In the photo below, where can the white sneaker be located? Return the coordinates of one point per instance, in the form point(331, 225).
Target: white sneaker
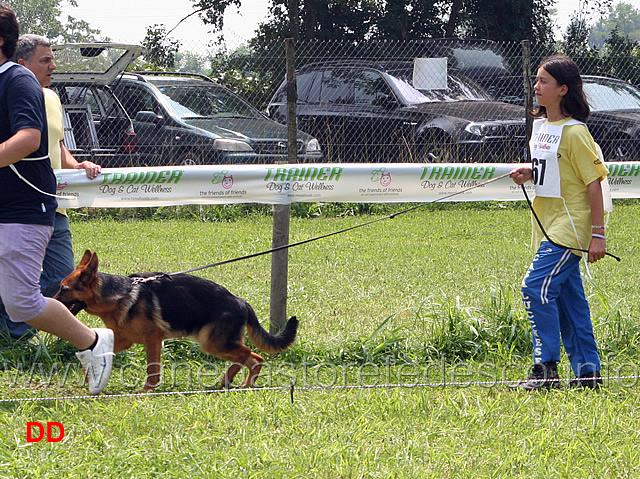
point(97, 362)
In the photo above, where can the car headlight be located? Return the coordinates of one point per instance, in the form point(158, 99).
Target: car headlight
point(482, 129)
point(225, 144)
point(313, 146)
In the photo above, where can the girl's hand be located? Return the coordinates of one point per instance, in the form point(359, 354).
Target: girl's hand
point(521, 174)
point(597, 249)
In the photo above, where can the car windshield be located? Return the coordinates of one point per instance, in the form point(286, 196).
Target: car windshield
point(478, 58)
point(608, 95)
point(190, 101)
point(456, 90)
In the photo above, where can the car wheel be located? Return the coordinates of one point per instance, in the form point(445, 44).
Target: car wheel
point(621, 148)
point(438, 147)
point(191, 157)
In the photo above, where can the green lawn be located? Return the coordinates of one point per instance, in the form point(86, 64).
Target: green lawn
point(431, 296)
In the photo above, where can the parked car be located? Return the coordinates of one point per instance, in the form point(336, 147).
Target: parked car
point(370, 111)
point(189, 119)
point(615, 117)
point(97, 127)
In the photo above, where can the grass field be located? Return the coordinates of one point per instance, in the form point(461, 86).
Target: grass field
point(431, 296)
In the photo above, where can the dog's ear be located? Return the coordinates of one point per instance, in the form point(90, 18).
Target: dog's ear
point(85, 258)
point(90, 270)
point(92, 265)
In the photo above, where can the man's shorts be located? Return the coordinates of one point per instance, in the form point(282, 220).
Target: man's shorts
point(22, 249)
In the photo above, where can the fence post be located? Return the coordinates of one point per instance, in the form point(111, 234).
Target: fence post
point(281, 213)
point(528, 100)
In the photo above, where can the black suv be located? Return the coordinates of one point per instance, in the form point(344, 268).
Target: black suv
point(189, 119)
point(370, 111)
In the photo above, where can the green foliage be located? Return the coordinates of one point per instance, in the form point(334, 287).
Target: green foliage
point(363, 20)
point(619, 56)
point(41, 17)
point(160, 49)
point(247, 75)
point(212, 11)
point(623, 17)
point(411, 20)
point(507, 20)
point(576, 45)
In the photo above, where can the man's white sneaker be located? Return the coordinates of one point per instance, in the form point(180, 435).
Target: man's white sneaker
point(97, 362)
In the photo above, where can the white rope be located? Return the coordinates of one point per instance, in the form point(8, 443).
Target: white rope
point(15, 170)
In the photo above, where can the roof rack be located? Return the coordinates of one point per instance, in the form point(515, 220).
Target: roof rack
point(200, 76)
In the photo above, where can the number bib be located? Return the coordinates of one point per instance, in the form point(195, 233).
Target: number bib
point(545, 140)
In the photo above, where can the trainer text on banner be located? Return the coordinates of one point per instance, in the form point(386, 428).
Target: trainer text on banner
point(282, 184)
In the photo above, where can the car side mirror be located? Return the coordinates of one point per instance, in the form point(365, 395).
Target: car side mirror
point(148, 117)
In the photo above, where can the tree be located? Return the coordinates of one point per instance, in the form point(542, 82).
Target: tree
point(621, 57)
point(623, 18)
point(42, 18)
point(576, 45)
point(160, 49)
point(507, 20)
point(411, 19)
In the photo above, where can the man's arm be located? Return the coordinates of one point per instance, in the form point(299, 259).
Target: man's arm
point(70, 163)
point(19, 146)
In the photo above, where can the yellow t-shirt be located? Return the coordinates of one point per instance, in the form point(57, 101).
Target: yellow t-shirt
point(567, 220)
point(55, 129)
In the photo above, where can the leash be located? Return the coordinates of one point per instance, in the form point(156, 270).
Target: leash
point(524, 190)
point(309, 240)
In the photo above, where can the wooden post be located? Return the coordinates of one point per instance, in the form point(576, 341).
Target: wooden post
point(281, 213)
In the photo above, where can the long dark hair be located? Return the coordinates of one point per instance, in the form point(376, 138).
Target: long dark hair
point(566, 72)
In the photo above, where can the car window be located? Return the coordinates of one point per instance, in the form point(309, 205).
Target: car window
point(314, 81)
point(304, 83)
point(108, 101)
point(470, 58)
point(82, 95)
point(137, 99)
point(189, 101)
point(369, 87)
point(612, 96)
point(337, 86)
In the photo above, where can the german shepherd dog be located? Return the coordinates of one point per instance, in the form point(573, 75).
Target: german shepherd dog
point(151, 307)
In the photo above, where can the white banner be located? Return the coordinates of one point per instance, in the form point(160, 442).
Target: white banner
point(328, 182)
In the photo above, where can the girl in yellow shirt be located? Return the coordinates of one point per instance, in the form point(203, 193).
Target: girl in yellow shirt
point(567, 174)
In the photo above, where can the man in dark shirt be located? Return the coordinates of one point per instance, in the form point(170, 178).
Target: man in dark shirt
point(27, 212)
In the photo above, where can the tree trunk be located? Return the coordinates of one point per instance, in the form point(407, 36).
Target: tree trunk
point(456, 6)
point(294, 19)
point(310, 15)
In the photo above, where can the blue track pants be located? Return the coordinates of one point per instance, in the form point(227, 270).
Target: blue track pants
point(556, 306)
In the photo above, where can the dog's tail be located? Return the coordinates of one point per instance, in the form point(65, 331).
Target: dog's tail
point(267, 342)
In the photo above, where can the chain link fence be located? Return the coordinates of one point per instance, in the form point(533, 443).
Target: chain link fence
point(441, 100)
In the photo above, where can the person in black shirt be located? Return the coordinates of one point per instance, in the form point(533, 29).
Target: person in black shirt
point(27, 212)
